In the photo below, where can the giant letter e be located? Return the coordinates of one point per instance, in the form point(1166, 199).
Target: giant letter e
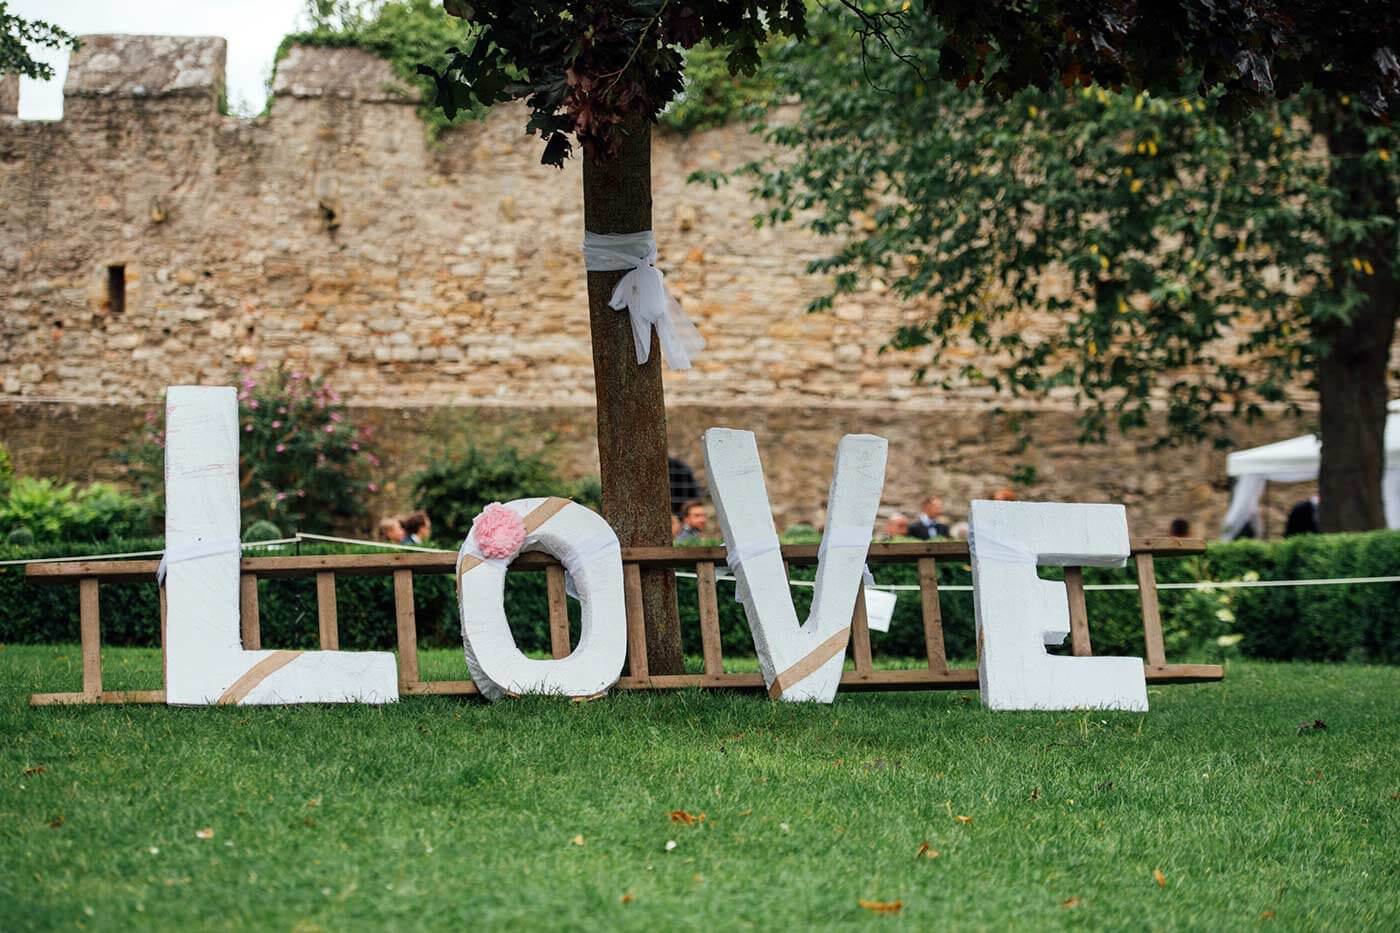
point(1018, 613)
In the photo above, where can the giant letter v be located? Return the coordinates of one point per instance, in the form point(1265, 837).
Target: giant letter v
point(799, 661)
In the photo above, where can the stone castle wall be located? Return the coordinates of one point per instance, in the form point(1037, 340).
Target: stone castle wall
point(433, 280)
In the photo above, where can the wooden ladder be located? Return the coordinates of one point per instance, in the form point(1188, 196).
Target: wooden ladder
point(703, 561)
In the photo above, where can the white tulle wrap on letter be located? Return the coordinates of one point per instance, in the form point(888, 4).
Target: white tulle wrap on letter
point(643, 293)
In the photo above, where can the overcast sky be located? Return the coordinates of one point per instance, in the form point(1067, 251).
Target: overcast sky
point(252, 27)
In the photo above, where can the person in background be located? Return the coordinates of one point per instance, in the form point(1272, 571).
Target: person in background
point(391, 530)
point(897, 526)
point(692, 522)
point(684, 488)
point(1004, 494)
point(930, 523)
point(675, 526)
point(1302, 519)
point(1180, 528)
point(417, 528)
point(958, 532)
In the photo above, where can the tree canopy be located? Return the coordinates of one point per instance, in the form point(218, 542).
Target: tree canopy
point(1242, 52)
point(589, 69)
point(18, 34)
point(1123, 250)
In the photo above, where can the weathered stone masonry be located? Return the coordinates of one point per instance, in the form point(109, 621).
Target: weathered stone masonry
point(147, 240)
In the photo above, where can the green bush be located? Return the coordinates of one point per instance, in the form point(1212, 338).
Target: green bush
point(1335, 623)
point(405, 33)
point(7, 470)
point(713, 96)
point(456, 486)
point(52, 511)
point(262, 531)
point(303, 463)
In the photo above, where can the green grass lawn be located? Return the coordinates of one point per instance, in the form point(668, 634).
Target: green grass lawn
point(537, 813)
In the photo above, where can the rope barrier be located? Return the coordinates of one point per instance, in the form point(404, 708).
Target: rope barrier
point(124, 555)
point(1206, 585)
point(384, 544)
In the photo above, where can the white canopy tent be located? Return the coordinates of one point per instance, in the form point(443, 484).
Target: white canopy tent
point(1295, 461)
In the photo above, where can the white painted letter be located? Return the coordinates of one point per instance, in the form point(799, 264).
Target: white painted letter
point(204, 656)
point(799, 662)
point(1018, 613)
point(588, 548)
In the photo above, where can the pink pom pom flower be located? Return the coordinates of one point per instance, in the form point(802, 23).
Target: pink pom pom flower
point(500, 533)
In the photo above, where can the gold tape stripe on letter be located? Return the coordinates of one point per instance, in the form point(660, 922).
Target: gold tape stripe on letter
point(533, 520)
point(256, 674)
point(818, 656)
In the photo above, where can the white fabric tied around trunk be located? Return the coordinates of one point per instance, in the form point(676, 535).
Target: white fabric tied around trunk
point(643, 293)
point(176, 555)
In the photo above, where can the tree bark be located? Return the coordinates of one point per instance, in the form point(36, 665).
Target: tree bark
point(631, 401)
point(1352, 369)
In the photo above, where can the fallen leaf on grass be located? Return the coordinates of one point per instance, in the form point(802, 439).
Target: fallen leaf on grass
point(313, 802)
point(881, 907)
point(1158, 877)
point(670, 844)
point(1267, 915)
point(965, 820)
point(689, 819)
point(577, 840)
point(1070, 903)
point(1317, 725)
point(36, 769)
point(627, 898)
point(1035, 793)
point(56, 821)
point(205, 833)
point(927, 851)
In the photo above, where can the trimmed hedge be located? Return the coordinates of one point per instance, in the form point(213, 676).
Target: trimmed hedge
point(1332, 623)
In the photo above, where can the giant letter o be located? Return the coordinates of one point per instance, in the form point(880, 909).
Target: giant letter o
point(588, 548)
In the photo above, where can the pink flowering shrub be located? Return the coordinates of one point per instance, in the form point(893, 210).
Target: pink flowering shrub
point(305, 465)
point(499, 531)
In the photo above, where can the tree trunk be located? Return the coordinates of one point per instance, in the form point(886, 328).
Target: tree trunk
point(631, 401)
point(1351, 372)
point(1351, 388)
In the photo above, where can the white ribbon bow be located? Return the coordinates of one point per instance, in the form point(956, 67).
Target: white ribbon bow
point(643, 293)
